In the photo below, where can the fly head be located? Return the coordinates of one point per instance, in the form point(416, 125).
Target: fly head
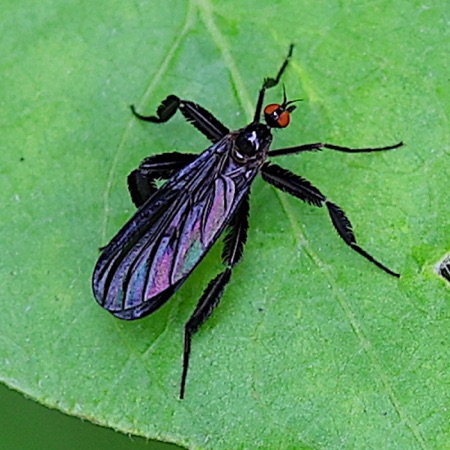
point(278, 115)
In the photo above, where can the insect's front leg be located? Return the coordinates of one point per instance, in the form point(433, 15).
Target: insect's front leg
point(270, 83)
point(299, 187)
point(202, 119)
point(234, 243)
point(142, 181)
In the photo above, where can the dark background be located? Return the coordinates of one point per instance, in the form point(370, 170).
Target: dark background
point(27, 425)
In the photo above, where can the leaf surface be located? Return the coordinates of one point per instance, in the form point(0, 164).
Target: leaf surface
point(312, 346)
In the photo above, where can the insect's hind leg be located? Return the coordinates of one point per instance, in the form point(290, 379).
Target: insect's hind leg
point(142, 181)
point(235, 240)
point(299, 187)
point(201, 118)
point(270, 83)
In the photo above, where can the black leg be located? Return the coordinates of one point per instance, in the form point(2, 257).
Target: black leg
point(236, 235)
point(299, 187)
point(234, 244)
point(142, 181)
point(202, 119)
point(205, 307)
point(269, 83)
point(319, 146)
point(345, 230)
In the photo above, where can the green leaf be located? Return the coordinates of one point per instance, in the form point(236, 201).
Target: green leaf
point(312, 346)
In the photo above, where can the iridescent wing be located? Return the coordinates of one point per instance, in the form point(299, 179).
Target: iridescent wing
point(168, 236)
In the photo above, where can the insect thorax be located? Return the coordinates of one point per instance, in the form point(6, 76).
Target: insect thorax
point(252, 143)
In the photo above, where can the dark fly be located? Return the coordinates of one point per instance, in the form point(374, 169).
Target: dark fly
point(205, 195)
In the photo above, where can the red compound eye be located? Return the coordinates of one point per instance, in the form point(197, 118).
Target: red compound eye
point(284, 119)
point(277, 116)
point(270, 109)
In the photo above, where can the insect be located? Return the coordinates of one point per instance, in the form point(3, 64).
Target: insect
point(204, 195)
